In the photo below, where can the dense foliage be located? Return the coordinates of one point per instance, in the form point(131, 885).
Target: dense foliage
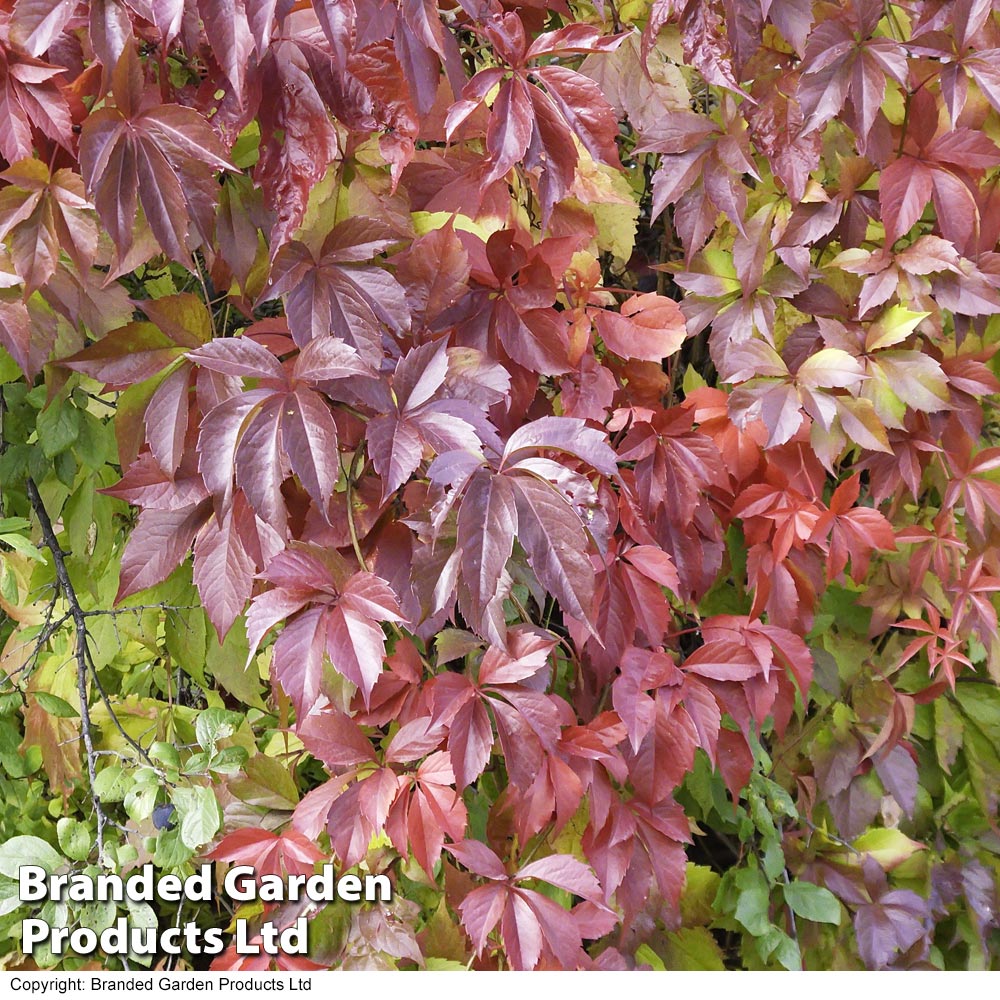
point(543, 452)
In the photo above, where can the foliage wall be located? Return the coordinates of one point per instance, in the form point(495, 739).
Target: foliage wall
point(546, 453)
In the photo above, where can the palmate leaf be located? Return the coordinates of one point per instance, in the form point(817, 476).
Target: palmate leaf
point(30, 99)
point(529, 499)
point(524, 717)
point(36, 24)
point(41, 214)
point(229, 34)
point(530, 923)
point(342, 619)
point(341, 291)
point(256, 437)
point(538, 125)
point(140, 152)
point(224, 570)
point(422, 418)
point(555, 541)
point(486, 529)
point(268, 853)
point(15, 334)
point(425, 811)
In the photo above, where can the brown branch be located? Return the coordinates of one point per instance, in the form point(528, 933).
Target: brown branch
point(82, 666)
point(615, 20)
point(792, 926)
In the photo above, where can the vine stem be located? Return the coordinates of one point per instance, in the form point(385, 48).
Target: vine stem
point(79, 618)
point(352, 528)
point(615, 20)
point(792, 925)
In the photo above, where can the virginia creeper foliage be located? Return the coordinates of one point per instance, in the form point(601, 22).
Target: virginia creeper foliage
point(546, 453)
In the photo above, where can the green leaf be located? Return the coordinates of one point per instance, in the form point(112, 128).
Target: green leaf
point(948, 732)
point(693, 949)
point(98, 916)
point(140, 801)
point(981, 703)
point(227, 663)
point(228, 761)
point(75, 839)
point(199, 814)
point(812, 902)
point(10, 898)
point(185, 634)
point(165, 753)
point(9, 372)
point(21, 544)
point(55, 706)
point(700, 887)
point(268, 784)
point(246, 149)
point(889, 847)
point(58, 427)
point(778, 945)
point(8, 584)
point(444, 965)
point(753, 901)
point(645, 955)
point(893, 327)
point(26, 850)
point(111, 784)
point(215, 724)
point(773, 861)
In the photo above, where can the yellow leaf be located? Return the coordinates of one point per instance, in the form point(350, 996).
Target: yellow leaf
point(889, 847)
point(443, 938)
point(427, 222)
point(892, 327)
point(692, 380)
point(607, 196)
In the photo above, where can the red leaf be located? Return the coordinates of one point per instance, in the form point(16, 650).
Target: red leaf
point(339, 291)
point(36, 24)
point(415, 739)
point(567, 873)
point(298, 140)
point(470, 741)
point(157, 153)
point(722, 660)
point(487, 521)
point(309, 438)
point(510, 128)
point(268, 853)
point(585, 109)
point(335, 739)
point(905, 188)
point(158, 544)
point(649, 327)
point(223, 570)
point(228, 33)
point(556, 544)
point(481, 911)
point(478, 858)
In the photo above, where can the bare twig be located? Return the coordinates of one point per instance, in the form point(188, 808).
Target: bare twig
point(792, 926)
point(615, 20)
point(82, 665)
